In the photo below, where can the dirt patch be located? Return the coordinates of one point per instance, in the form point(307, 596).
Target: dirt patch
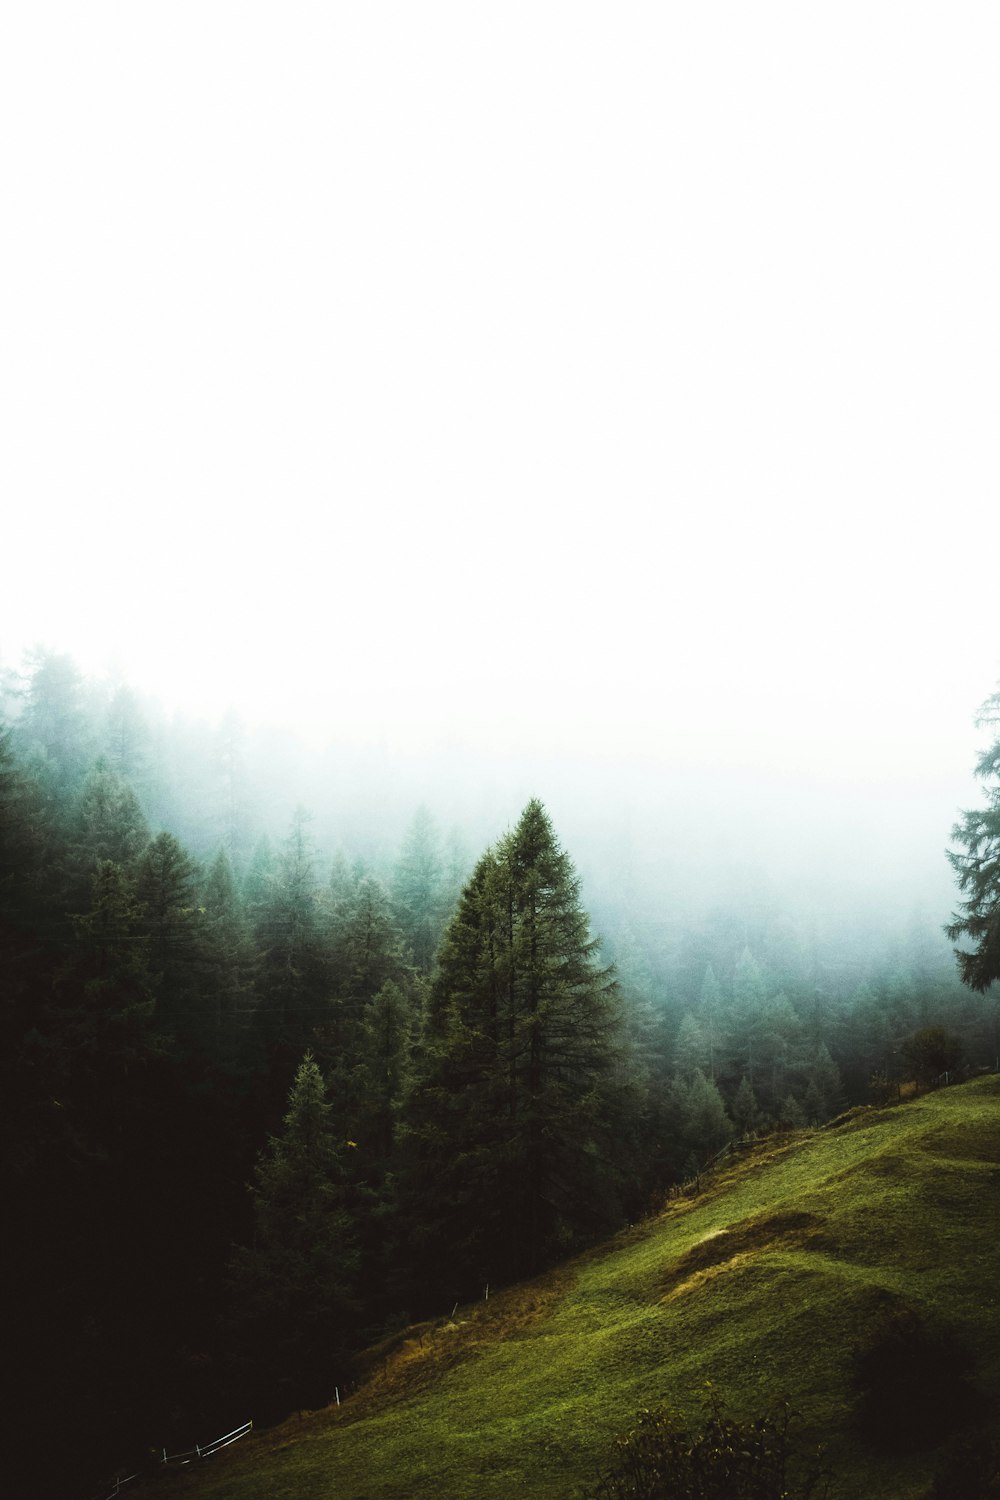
point(724, 1246)
point(861, 1117)
point(415, 1357)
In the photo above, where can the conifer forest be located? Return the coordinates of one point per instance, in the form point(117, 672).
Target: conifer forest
point(267, 1099)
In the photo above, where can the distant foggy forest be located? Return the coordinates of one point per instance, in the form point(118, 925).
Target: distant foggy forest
point(292, 1056)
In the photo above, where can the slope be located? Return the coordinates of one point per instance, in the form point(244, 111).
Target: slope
point(761, 1284)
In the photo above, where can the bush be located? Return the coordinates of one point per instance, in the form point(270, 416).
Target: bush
point(913, 1382)
point(930, 1052)
point(723, 1458)
point(970, 1471)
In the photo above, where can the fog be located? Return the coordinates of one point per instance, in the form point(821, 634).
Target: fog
point(560, 401)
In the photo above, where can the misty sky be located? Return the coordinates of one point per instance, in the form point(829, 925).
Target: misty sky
point(613, 382)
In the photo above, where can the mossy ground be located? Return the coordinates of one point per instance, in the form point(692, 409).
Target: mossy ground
point(761, 1285)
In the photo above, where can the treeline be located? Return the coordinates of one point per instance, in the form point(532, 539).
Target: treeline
point(432, 1078)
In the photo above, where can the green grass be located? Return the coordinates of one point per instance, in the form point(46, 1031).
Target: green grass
point(761, 1285)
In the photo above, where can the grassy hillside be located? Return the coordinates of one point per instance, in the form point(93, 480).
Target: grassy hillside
point(762, 1284)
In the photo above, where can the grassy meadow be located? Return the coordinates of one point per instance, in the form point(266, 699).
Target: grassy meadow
point(761, 1284)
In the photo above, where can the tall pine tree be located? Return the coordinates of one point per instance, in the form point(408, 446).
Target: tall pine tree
point(294, 1287)
point(514, 1115)
point(978, 868)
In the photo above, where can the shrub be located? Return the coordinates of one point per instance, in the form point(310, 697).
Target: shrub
point(930, 1052)
point(722, 1458)
point(970, 1470)
point(913, 1382)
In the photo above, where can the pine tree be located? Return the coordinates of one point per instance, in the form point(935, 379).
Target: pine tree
point(792, 1115)
point(710, 1016)
point(418, 889)
point(293, 981)
point(110, 973)
point(53, 726)
point(294, 1289)
point(340, 888)
point(110, 821)
point(813, 1104)
point(707, 1127)
point(749, 1007)
point(232, 801)
point(778, 1048)
point(369, 951)
point(20, 829)
point(691, 1048)
point(514, 1108)
point(827, 1098)
point(978, 868)
point(229, 964)
point(126, 738)
point(171, 925)
point(746, 1111)
point(387, 1038)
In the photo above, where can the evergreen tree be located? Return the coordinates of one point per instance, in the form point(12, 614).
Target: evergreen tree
point(869, 1042)
point(779, 1047)
point(108, 979)
point(54, 727)
point(294, 1289)
point(930, 1052)
point(792, 1115)
point(709, 1014)
point(369, 951)
point(294, 979)
point(813, 1104)
point(340, 889)
point(978, 868)
point(171, 925)
point(229, 964)
point(388, 1035)
point(748, 1005)
point(746, 1111)
point(126, 738)
point(232, 802)
point(110, 821)
point(418, 889)
point(20, 829)
point(707, 1126)
point(258, 883)
point(691, 1048)
point(644, 1016)
point(826, 1098)
point(514, 1106)
point(457, 865)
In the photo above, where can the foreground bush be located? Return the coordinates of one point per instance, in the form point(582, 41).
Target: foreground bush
point(970, 1470)
point(720, 1458)
point(914, 1383)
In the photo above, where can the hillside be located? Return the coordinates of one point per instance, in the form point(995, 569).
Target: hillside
point(761, 1284)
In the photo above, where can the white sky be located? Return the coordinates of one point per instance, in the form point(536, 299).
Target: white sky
point(613, 377)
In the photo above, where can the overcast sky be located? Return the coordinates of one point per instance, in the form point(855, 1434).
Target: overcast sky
point(604, 380)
